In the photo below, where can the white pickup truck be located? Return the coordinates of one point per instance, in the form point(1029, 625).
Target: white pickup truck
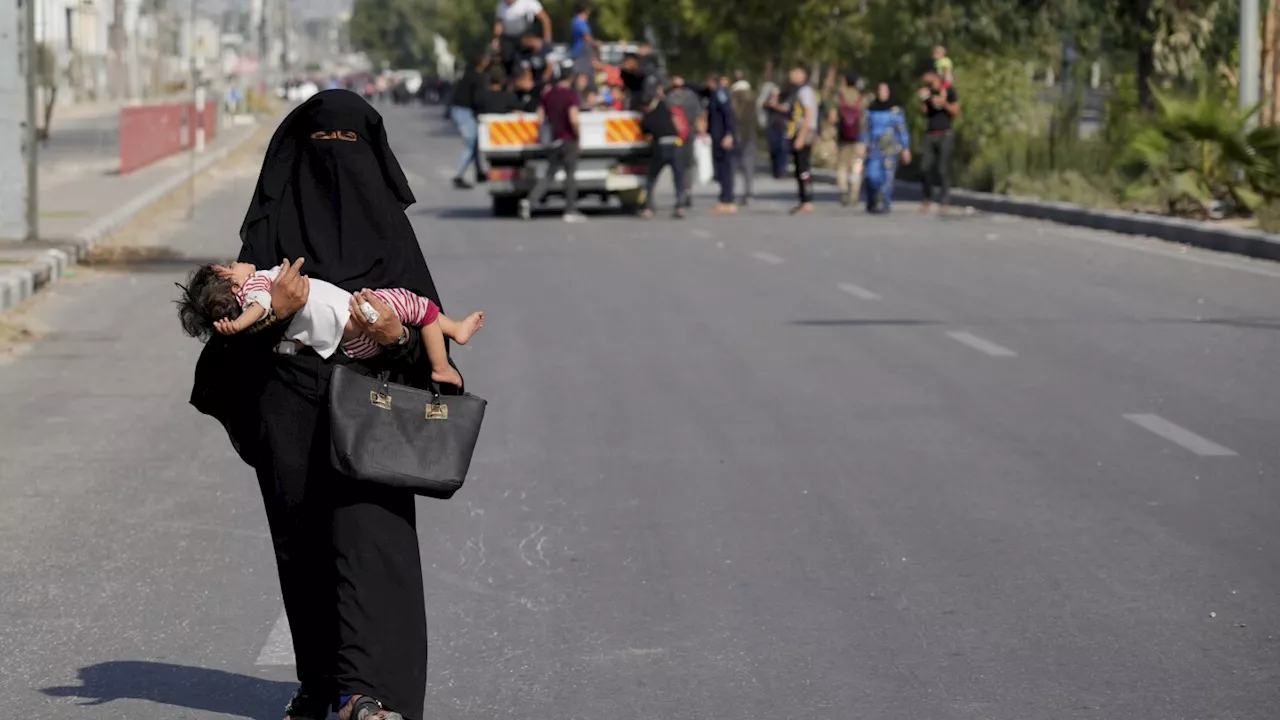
point(614, 158)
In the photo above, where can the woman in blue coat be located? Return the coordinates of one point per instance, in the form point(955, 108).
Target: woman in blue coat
point(887, 139)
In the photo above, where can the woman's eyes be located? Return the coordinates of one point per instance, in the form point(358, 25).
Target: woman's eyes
point(345, 135)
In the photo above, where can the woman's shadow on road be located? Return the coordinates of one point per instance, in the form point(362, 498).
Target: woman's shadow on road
point(203, 689)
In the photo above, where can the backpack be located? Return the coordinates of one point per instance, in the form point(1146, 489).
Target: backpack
point(850, 121)
point(682, 122)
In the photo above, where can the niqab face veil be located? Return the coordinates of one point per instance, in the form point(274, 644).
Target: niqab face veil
point(337, 202)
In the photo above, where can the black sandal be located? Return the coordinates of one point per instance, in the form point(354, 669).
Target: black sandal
point(363, 707)
point(306, 707)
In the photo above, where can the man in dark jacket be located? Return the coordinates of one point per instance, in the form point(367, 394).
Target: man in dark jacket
point(723, 130)
point(777, 117)
point(659, 126)
point(687, 99)
point(467, 96)
point(499, 100)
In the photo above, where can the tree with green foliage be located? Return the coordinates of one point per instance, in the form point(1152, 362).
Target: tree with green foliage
point(396, 33)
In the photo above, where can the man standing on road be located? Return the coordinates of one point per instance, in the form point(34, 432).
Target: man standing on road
point(721, 126)
point(941, 106)
point(659, 126)
point(803, 133)
point(777, 117)
point(559, 110)
point(744, 116)
point(846, 117)
point(514, 18)
point(462, 110)
point(683, 97)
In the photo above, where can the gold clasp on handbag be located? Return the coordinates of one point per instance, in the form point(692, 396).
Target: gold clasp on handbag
point(437, 411)
point(380, 400)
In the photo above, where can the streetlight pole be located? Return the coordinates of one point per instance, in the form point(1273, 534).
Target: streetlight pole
point(196, 113)
point(1249, 54)
point(32, 56)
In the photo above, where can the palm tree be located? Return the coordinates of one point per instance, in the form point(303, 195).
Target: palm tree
point(1198, 156)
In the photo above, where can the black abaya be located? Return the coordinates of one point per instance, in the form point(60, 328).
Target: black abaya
point(347, 552)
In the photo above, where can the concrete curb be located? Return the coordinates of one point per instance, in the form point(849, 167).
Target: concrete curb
point(20, 283)
point(1250, 243)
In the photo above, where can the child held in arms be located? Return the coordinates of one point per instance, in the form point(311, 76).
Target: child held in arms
point(231, 299)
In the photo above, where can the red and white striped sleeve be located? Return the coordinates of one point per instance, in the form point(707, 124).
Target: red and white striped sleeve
point(257, 289)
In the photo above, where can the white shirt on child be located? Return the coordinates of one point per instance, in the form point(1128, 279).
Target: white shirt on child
point(319, 324)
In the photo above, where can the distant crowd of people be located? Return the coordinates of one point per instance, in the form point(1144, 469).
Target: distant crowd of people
point(716, 124)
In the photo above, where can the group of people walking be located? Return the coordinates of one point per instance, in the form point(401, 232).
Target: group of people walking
point(871, 136)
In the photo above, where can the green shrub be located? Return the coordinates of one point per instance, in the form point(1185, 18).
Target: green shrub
point(1198, 157)
point(1268, 217)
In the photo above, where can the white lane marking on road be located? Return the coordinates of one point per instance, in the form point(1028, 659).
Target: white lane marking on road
point(768, 257)
point(698, 232)
point(981, 345)
point(444, 172)
point(278, 649)
point(1179, 435)
point(859, 292)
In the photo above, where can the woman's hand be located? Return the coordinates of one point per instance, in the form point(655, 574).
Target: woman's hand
point(387, 331)
point(906, 157)
point(291, 290)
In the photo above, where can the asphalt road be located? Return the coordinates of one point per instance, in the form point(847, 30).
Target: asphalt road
point(753, 467)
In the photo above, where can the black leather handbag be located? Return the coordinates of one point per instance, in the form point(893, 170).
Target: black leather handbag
point(402, 436)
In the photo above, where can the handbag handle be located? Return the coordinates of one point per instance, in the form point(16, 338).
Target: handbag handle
point(384, 377)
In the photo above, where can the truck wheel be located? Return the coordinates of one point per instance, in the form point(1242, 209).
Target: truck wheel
point(505, 206)
point(632, 200)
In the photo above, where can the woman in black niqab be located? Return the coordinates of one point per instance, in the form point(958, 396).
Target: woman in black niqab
point(330, 192)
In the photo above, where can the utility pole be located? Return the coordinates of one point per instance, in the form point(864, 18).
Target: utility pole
point(196, 114)
point(116, 34)
point(284, 31)
point(1249, 54)
point(31, 56)
point(12, 130)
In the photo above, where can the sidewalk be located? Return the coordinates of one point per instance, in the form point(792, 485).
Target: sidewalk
point(81, 212)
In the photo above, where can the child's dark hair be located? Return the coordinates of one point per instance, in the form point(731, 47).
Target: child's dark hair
point(206, 298)
point(497, 76)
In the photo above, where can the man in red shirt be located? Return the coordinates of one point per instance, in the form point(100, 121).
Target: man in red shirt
point(559, 111)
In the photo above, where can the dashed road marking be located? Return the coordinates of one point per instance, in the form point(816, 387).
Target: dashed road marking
point(699, 232)
point(278, 649)
point(1179, 435)
point(859, 292)
point(981, 345)
point(768, 258)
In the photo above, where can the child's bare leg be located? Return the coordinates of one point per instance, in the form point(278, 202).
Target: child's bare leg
point(441, 370)
point(460, 331)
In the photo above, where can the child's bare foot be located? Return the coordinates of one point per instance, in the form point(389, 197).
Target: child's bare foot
point(449, 377)
point(467, 327)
